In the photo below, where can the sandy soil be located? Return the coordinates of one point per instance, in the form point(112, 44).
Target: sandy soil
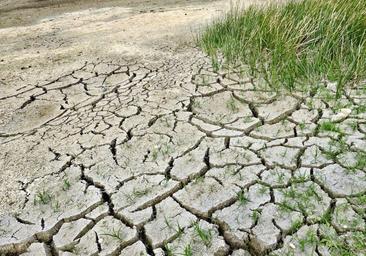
point(20, 12)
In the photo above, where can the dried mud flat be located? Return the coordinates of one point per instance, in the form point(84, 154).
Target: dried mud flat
point(117, 137)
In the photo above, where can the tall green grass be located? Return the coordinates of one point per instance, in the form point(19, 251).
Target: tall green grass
point(297, 43)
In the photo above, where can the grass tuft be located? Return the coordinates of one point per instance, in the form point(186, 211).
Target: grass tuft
point(204, 235)
point(300, 43)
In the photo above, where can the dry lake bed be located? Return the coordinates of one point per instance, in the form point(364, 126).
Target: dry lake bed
point(118, 137)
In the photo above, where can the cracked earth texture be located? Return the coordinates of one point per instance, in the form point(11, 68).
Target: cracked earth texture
point(150, 151)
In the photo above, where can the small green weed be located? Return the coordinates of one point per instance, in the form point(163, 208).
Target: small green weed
point(242, 198)
point(188, 251)
point(43, 197)
point(328, 126)
point(66, 185)
point(204, 235)
point(115, 234)
point(231, 104)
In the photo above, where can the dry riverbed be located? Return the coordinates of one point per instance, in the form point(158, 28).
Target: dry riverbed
point(117, 137)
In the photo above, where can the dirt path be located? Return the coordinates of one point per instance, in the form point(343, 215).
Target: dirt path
point(117, 137)
point(26, 12)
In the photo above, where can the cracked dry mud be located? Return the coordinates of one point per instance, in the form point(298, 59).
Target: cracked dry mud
point(147, 150)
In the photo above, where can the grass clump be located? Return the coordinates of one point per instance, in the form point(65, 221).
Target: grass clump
point(204, 235)
point(298, 43)
point(328, 126)
point(42, 197)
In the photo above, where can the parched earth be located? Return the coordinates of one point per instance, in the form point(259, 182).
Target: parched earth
point(118, 137)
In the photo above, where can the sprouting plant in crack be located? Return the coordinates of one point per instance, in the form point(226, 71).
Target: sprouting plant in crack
point(263, 190)
point(302, 126)
point(295, 225)
point(326, 218)
point(310, 239)
point(360, 109)
point(168, 250)
point(215, 63)
point(204, 235)
point(327, 95)
point(56, 206)
point(311, 192)
point(232, 105)
point(360, 200)
point(304, 206)
point(42, 197)
point(115, 233)
point(335, 148)
point(167, 222)
point(66, 185)
point(301, 178)
point(284, 122)
point(280, 177)
point(188, 250)
point(179, 230)
point(360, 163)
point(291, 192)
point(255, 215)
point(166, 149)
point(310, 104)
point(140, 192)
point(359, 241)
point(199, 179)
point(328, 126)
point(136, 193)
point(285, 206)
point(242, 198)
point(339, 105)
point(304, 201)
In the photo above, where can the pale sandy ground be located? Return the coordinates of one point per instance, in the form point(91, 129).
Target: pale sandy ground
point(25, 12)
